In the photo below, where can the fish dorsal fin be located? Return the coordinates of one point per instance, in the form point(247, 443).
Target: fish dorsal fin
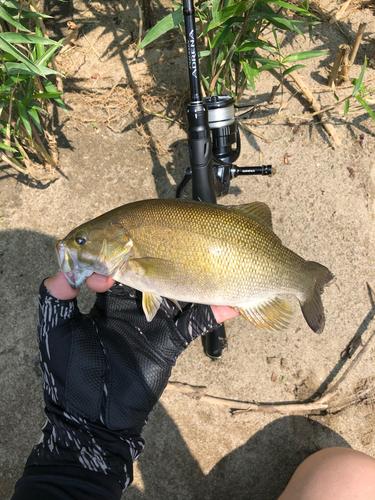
point(258, 211)
point(272, 315)
point(150, 304)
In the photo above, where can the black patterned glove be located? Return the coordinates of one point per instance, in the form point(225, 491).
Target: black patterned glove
point(103, 373)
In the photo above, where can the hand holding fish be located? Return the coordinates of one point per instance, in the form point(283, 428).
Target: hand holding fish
point(102, 374)
point(59, 288)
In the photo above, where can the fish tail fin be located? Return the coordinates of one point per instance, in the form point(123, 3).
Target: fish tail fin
point(312, 306)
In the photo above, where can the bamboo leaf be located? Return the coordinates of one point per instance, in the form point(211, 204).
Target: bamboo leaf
point(47, 95)
point(366, 106)
point(9, 19)
point(168, 22)
point(250, 73)
point(223, 15)
point(221, 35)
point(24, 117)
point(214, 10)
point(346, 106)
point(8, 47)
point(42, 61)
point(251, 46)
point(289, 6)
point(204, 53)
point(49, 86)
point(278, 21)
point(4, 146)
point(15, 7)
point(266, 67)
point(293, 68)
point(35, 117)
point(302, 56)
point(23, 69)
point(359, 81)
point(275, 64)
point(24, 38)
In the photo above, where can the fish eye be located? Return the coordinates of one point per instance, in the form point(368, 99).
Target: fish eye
point(80, 240)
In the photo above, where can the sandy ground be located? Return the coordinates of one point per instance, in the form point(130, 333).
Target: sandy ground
point(321, 210)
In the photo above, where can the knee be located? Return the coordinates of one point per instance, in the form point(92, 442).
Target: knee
point(333, 473)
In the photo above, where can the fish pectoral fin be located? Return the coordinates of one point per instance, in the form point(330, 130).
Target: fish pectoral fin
point(257, 211)
point(150, 304)
point(152, 267)
point(272, 315)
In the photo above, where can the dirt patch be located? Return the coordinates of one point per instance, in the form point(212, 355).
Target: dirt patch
point(114, 148)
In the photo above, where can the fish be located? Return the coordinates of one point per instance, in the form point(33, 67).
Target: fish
point(193, 252)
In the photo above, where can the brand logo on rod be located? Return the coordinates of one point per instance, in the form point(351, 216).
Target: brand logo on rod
point(192, 54)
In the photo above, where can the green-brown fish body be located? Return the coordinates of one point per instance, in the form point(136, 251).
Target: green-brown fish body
point(195, 252)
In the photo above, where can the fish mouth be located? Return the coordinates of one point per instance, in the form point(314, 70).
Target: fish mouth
point(75, 273)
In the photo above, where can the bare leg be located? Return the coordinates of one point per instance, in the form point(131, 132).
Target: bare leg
point(333, 474)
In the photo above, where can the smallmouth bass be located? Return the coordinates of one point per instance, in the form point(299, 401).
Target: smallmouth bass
point(196, 252)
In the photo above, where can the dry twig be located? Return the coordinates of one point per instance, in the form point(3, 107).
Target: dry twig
point(321, 405)
point(316, 106)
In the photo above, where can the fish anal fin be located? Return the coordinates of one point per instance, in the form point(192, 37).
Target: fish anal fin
point(257, 211)
point(175, 302)
point(271, 315)
point(150, 304)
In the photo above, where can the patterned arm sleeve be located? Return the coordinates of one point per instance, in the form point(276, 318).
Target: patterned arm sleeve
point(197, 320)
point(53, 313)
point(76, 458)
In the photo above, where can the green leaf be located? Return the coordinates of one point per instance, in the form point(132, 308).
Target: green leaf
point(286, 5)
point(205, 82)
point(223, 15)
point(251, 46)
point(49, 86)
point(302, 56)
point(35, 117)
point(4, 146)
point(204, 53)
point(279, 22)
point(23, 38)
point(336, 96)
point(250, 73)
point(293, 68)
point(214, 10)
point(366, 106)
point(222, 35)
point(42, 61)
point(24, 117)
point(266, 67)
point(8, 47)
point(9, 19)
point(168, 22)
point(346, 106)
point(15, 7)
point(47, 95)
point(276, 64)
point(276, 39)
point(23, 69)
point(359, 81)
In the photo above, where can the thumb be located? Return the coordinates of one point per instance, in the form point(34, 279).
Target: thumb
point(99, 283)
point(58, 286)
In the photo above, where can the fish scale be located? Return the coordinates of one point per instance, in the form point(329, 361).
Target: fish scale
point(202, 253)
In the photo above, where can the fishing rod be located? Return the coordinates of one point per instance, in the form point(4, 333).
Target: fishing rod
point(214, 144)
